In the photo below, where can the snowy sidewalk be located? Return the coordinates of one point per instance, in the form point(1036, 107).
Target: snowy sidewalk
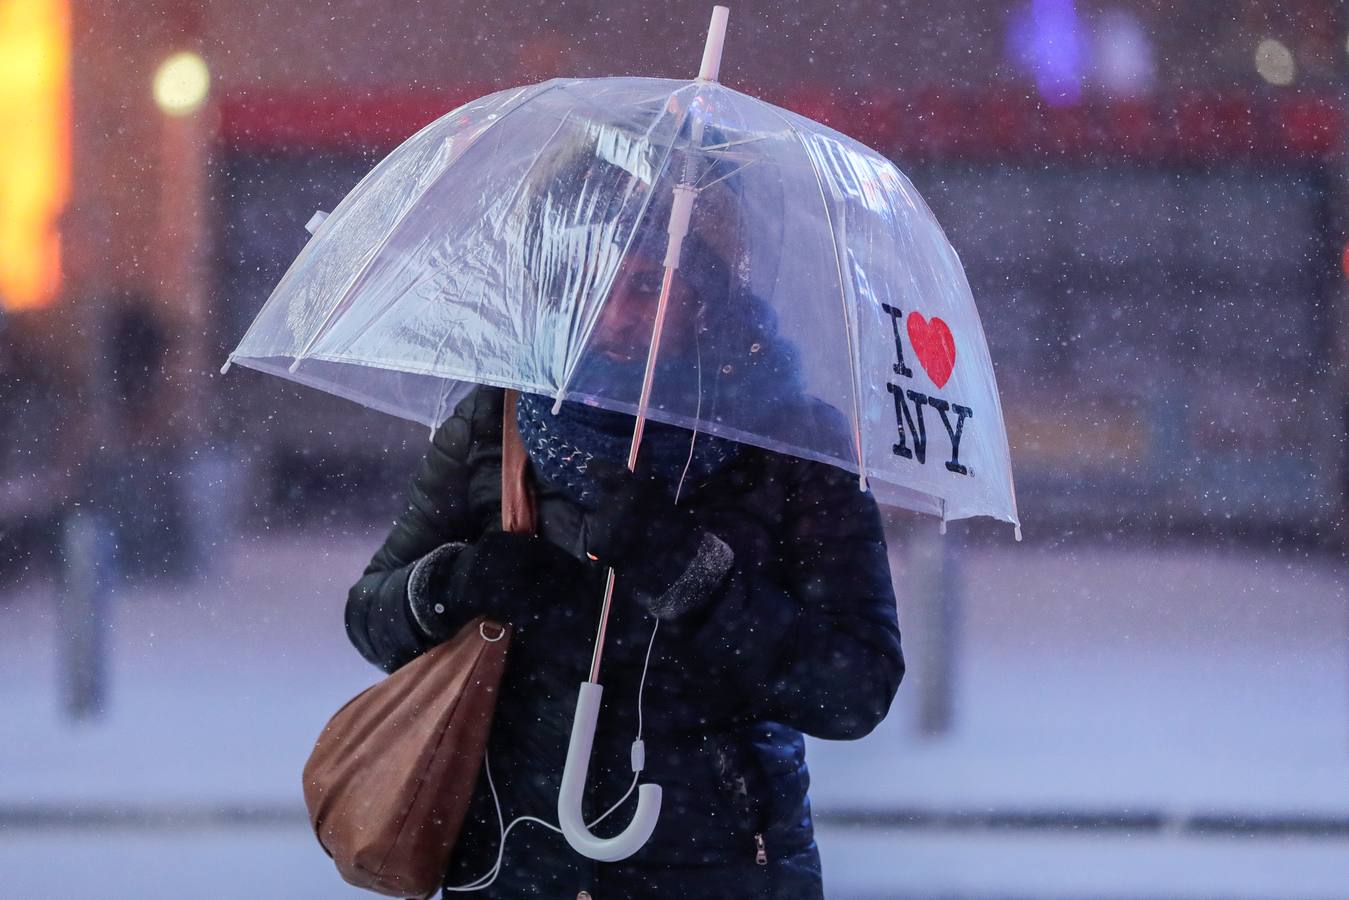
point(1152, 690)
point(1186, 682)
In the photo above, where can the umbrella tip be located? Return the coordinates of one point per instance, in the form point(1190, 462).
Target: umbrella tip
point(557, 403)
point(295, 365)
point(226, 367)
point(941, 529)
point(1016, 531)
point(716, 39)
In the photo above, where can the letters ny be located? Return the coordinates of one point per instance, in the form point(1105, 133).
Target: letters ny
point(909, 405)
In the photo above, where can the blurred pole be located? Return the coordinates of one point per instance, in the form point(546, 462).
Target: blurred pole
point(88, 544)
point(1333, 447)
point(1335, 221)
point(932, 638)
point(82, 616)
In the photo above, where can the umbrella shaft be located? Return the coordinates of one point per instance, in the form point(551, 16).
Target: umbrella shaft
point(649, 376)
point(604, 625)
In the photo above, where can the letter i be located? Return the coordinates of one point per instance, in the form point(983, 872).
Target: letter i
point(895, 316)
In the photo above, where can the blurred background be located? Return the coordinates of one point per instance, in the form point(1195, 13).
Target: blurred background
point(1147, 698)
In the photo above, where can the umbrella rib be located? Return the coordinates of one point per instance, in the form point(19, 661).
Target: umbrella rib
point(329, 319)
point(843, 300)
point(726, 145)
point(737, 170)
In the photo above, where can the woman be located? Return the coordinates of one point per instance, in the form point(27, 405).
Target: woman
point(767, 574)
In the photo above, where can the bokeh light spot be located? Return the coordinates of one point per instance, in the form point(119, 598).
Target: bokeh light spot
point(181, 83)
point(1274, 62)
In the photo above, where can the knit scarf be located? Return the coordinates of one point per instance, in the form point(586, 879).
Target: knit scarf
point(561, 446)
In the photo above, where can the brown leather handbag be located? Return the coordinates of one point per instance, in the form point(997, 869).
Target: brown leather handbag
point(389, 781)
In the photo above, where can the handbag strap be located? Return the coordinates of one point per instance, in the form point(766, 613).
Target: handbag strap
point(517, 495)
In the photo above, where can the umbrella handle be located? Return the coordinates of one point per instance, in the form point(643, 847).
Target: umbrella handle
point(569, 816)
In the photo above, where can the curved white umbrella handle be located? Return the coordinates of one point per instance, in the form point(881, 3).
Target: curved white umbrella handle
point(569, 816)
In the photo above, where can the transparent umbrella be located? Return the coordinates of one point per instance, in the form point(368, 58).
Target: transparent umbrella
point(672, 249)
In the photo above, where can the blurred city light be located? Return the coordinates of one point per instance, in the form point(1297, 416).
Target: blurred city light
point(1125, 63)
point(1274, 62)
point(181, 83)
point(1046, 39)
point(34, 155)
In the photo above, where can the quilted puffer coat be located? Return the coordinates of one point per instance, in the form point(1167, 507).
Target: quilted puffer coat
point(799, 637)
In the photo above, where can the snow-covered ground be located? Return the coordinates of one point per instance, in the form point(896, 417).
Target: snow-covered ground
point(284, 863)
point(1153, 690)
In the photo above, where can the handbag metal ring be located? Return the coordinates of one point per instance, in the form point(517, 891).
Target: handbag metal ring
point(482, 630)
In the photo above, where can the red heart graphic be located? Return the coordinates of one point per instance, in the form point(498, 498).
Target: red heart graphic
point(934, 345)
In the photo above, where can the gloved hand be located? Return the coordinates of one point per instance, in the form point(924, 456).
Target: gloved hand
point(658, 549)
point(523, 580)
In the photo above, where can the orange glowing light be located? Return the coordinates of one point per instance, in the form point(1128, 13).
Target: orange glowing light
point(35, 150)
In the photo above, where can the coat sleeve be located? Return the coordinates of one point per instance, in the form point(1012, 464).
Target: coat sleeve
point(379, 619)
point(817, 646)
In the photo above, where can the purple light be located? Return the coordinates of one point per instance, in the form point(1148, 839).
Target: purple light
point(1046, 40)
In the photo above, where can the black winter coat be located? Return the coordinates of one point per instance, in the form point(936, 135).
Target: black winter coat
point(800, 637)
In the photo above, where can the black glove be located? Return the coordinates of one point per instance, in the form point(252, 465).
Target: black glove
point(526, 581)
point(669, 562)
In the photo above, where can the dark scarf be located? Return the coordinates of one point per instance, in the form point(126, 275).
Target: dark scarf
point(560, 447)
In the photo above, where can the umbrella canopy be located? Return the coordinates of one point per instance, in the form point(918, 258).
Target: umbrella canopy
point(817, 309)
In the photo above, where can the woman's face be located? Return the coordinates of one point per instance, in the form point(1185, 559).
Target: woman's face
point(623, 333)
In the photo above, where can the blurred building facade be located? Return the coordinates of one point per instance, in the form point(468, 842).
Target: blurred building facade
point(1149, 199)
